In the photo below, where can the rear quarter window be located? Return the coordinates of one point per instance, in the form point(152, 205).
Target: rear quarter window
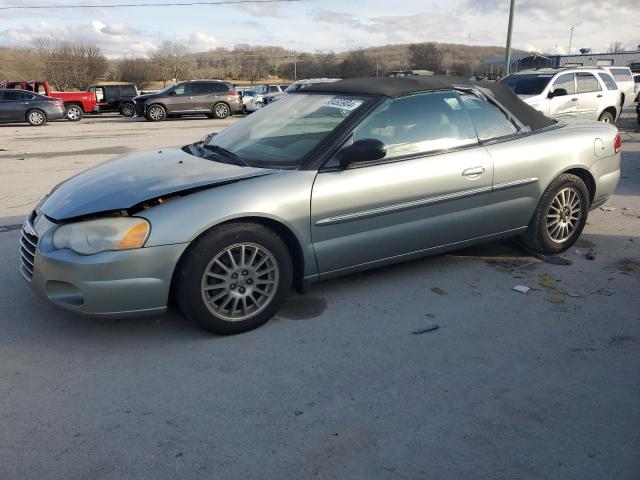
point(623, 74)
point(608, 81)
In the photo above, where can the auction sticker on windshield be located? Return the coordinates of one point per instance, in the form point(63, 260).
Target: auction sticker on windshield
point(349, 104)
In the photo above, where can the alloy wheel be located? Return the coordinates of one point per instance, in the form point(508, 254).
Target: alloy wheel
point(73, 113)
point(240, 281)
point(222, 110)
point(36, 118)
point(156, 113)
point(563, 216)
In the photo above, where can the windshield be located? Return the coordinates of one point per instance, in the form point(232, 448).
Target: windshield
point(167, 89)
point(527, 84)
point(284, 132)
point(293, 87)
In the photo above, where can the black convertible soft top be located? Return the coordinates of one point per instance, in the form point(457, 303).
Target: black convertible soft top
point(399, 86)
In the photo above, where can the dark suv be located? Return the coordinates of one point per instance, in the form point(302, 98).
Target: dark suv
point(116, 97)
point(212, 98)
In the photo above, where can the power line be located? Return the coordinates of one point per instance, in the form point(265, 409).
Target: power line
point(157, 4)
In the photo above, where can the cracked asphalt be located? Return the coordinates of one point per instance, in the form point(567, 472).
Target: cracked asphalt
point(543, 385)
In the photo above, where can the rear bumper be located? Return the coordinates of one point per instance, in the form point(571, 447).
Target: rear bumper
point(109, 284)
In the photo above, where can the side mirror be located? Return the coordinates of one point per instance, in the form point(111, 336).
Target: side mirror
point(558, 92)
point(365, 150)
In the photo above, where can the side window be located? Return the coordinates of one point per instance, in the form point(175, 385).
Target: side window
point(418, 124)
point(608, 81)
point(622, 74)
point(13, 96)
point(565, 82)
point(128, 90)
point(205, 88)
point(273, 89)
point(587, 83)
point(488, 120)
point(184, 89)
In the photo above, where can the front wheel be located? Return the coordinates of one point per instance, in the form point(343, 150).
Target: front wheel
point(36, 118)
point(606, 117)
point(234, 278)
point(156, 113)
point(73, 113)
point(560, 216)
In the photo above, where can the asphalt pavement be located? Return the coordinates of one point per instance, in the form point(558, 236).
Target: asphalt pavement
point(543, 385)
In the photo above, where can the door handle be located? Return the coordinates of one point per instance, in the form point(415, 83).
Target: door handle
point(473, 172)
point(574, 99)
point(599, 95)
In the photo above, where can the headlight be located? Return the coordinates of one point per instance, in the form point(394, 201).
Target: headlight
point(94, 236)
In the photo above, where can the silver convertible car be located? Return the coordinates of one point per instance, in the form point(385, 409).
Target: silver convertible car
point(338, 178)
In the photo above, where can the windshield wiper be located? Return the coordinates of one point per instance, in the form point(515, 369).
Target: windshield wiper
point(225, 153)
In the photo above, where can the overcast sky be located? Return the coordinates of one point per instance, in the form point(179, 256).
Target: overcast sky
point(540, 25)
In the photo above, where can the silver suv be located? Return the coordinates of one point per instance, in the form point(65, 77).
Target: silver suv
point(569, 93)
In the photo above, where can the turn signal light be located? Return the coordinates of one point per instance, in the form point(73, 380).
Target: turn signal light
point(617, 143)
point(134, 237)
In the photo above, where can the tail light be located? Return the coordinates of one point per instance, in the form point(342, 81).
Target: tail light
point(234, 93)
point(57, 103)
point(617, 143)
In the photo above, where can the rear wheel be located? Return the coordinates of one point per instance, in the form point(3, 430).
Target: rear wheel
point(73, 113)
point(560, 216)
point(606, 117)
point(156, 113)
point(128, 110)
point(36, 118)
point(234, 278)
point(220, 110)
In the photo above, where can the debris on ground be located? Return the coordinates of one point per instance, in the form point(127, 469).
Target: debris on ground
point(607, 209)
point(521, 289)
point(574, 295)
point(591, 254)
point(580, 252)
point(605, 291)
point(438, 291)
point(428, 328)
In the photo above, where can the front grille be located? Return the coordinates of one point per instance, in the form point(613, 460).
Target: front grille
point(28, 244)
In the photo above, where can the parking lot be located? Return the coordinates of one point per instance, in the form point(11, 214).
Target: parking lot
point(511, 386)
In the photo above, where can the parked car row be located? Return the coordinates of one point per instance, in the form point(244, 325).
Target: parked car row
point(593, 93)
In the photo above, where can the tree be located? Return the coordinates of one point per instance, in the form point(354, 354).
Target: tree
point(69, 64)
point(171, 61)
point(253, 67)
point(136, 70)
point(615, 47)
point(357, 64)
point(326, 63)
point(425, 56)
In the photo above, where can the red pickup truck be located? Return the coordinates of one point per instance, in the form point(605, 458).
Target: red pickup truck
point(75, 103)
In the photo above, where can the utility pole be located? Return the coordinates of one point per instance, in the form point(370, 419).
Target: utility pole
point(295, 67)
point(507, 53)
point(377, 67)
point(571, 38)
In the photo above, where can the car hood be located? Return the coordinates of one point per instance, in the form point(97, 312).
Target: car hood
point(127, 181)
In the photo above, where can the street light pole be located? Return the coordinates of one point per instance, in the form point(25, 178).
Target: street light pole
point(571, 38)
point(507, 54)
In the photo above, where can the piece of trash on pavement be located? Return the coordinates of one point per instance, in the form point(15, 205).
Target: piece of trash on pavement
point(580, 252)
point(607, 209)
point(439, 291)
point(605, 291)
point(521, 289)
point(574, 295)
point(428, 328)
point(591, 254)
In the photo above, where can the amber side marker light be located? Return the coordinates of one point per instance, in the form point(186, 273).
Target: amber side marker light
point(134, 237)
point(617, 143)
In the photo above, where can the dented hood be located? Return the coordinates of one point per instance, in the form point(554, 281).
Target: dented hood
point(127, 181)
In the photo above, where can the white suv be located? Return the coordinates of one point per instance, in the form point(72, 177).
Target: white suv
point(569, 93)
point(624, 79)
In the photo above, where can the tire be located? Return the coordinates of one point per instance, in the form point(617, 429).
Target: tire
point(259, 104)
point(36, 118)
point(220, 111)
point(156, 113)
point(128, 110)
point(73, 113)
point(606, 117)
point(542, 234)
point(263, 282)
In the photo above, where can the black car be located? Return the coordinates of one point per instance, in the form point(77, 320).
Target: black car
point(212, 98)
point(116, 97)
point(23, 106)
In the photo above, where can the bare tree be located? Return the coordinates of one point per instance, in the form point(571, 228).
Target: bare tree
point(171, 61)
point(425, 56)
point(615, 47)
point(70, 64)
point(326, 63)
point(136, 70)
point(357, 64)
point(254, 67)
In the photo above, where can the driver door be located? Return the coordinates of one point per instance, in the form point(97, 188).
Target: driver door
point(430, 190)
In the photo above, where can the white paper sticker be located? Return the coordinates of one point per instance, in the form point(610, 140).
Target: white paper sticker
point(348, 104)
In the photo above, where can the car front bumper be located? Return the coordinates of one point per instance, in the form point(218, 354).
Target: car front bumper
point(108, 284)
